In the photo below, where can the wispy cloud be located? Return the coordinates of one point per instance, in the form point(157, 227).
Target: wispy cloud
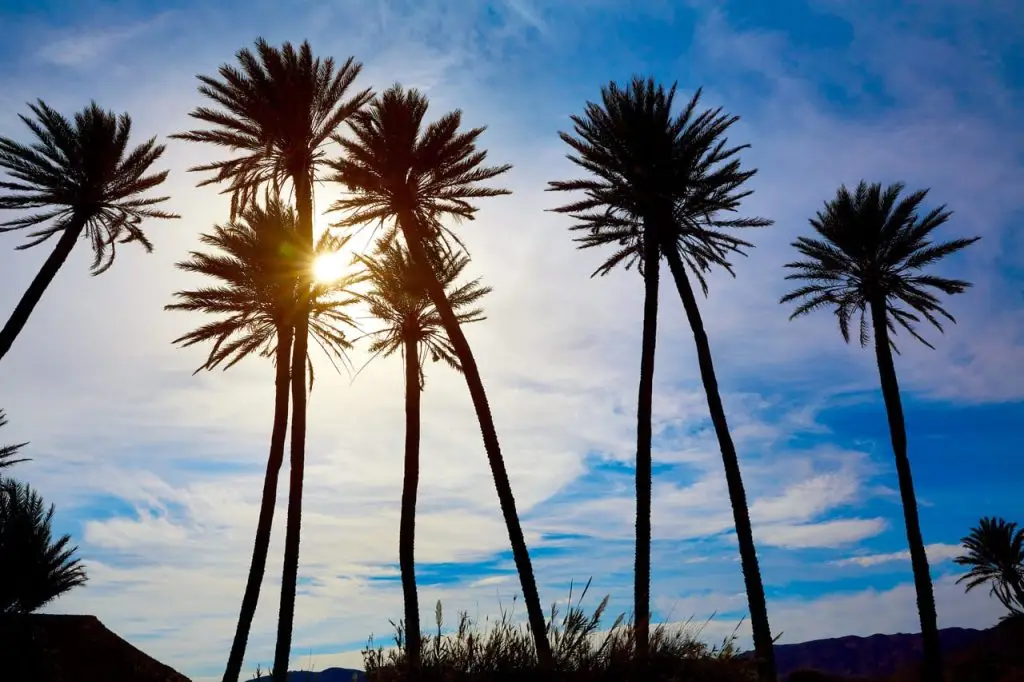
point(937, 553)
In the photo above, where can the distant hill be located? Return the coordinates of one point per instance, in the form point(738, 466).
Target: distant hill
point(326, 675)
point(877, 656)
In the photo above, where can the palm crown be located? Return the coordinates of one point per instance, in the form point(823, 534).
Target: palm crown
point(873, 248)
point(81, 173)
point(259, 262)
point(657, 174)
point(394, 163)
point(400, 301)
point(278, 110)
point(9, 452)
point(995, 554)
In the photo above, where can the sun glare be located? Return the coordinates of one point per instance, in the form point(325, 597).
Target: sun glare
point(329, 267)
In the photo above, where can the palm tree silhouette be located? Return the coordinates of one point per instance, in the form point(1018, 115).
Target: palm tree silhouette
point(661, 182)
point(276, 113)
point(258, 263)
point(868, 257)
point(396, 167)
point(9, 452)
point(87, 183)
point(35, 569)
point(412, 326)
point(994, 551)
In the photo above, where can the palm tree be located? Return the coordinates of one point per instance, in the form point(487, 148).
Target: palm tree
point(258, 263)
point(661, 183)
point(87, 183)
point(994, 551)
point(412, 326)
point(34, 569)
point(276, 113)
point(868, 257)
point(397, 168)
point(9, 452)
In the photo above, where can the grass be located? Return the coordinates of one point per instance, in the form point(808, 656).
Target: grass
point(503, 650)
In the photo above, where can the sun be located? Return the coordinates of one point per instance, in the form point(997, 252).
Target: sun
point(329, 267)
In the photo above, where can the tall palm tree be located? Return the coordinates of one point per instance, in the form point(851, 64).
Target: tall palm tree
point(398, 168)
point(35, 569)
point(276, 113)
point(412, 326)
point(9, 452)
point(660, 184)
point(994, 551)
point(868, 256)
point(87, 183)
point(258, 263)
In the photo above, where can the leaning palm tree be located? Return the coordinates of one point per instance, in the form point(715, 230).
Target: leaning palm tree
point(868, 258)
point(399, 170)
point(411, 326)
point(87, 183)
point(35, 569)
point(276, 113)
point(994, 551)
point(9, 452)
point(661, 183)
point(258, 263)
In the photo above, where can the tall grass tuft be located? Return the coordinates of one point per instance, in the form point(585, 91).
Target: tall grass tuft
point(503, 650)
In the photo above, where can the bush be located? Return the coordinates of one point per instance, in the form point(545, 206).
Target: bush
point(504, 652)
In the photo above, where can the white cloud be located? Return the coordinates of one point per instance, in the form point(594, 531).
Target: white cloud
point(937, 553)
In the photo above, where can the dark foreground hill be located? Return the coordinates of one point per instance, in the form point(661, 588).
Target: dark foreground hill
point(44, 648)
point(326, 675)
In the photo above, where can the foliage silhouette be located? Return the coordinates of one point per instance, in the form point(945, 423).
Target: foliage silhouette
point(868, 257)
point(258, 263)
point(35, 569)
point(412, 326)
point(411, 176)
point(660, 182)
point(9, 452)
point(87, 183)
point(276, 113)
point(994, 551)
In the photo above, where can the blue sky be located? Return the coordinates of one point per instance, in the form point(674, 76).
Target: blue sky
point(157, 473)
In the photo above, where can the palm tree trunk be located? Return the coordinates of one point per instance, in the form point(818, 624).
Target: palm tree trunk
point(763, 647)
point(290, 574)
point(410, 483)
point(261, 547)
point(42, 280)
point(932, 668)
point(535, 614)
point(645, 399)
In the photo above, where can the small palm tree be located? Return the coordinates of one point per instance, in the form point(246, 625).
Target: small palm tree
point(868, 259)
point(994, 551)
point(662, 181)
point(259, 263)
point(9, 452)
point(34, 569)
point(411, 326)
point(275, 114)
point(411, 175)
point(87, 183)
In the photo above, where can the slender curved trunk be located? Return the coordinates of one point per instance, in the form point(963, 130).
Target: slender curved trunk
point(16, 322)
point(290, 574)
point(261, 547)
point(931, 671)
point(644, 404)
point(418, 252)
point(763, 646)
point(410, 484)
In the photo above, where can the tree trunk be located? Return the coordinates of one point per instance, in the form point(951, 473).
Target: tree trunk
point(35, 290)
point(418, 252)
point(931, 671)
point(407, 526)
point(266, 519)
point(642, 558)
point(289, 577)
point(763, 647)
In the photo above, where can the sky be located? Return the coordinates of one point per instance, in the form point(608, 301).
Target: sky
point(157, 473)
